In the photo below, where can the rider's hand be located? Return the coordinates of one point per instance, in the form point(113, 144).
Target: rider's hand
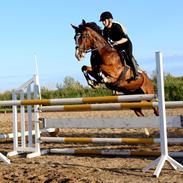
point(114, 43)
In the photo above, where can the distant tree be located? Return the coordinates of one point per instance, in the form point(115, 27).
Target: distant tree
point(70, 88)
point(7, 95)
point(173, 86)
point(70, 82)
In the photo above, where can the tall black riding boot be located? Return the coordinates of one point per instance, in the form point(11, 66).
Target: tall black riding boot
point(134, 68)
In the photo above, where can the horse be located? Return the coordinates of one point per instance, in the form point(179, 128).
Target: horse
point(108, 66)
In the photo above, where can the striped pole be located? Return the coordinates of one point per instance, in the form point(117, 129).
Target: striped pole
point(109, 140)
point(103, 99)
point(108, 106)
point(84, 102)
point(103, 106)
point(107, 152)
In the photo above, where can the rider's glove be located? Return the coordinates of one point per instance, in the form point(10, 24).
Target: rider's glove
point(114, 43)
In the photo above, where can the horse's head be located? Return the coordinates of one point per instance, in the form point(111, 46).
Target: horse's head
point(84, 39)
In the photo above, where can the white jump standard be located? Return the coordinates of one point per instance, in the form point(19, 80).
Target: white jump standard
point(163, 128)
point(4, 158)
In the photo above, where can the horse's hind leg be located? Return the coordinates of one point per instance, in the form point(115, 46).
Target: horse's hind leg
point(156, 112)
point(139, 113)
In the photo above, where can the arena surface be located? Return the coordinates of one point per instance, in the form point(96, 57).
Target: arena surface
point(89, 169)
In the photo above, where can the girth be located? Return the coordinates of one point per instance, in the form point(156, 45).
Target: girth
point(123, 73)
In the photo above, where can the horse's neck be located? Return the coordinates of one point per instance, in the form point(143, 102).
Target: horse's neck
point(99, 42)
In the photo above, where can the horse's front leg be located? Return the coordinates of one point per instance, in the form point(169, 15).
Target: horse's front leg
point(87, 72)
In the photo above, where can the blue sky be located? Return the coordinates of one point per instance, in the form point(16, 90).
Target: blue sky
point(42, 27)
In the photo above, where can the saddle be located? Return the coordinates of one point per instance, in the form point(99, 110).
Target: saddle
point(124, 57)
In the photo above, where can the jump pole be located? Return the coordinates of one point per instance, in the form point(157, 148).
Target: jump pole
point(114, 122)
point(107, 106)
point(163, 128)
point(11, 135)
point(128, 101)
point(106, 152)
point(84, 100)
point(108, 140)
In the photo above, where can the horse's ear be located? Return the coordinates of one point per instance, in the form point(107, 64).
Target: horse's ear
point(83, 22)
point(74, 27)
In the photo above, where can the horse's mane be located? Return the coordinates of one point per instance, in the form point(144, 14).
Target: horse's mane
point(93, 26)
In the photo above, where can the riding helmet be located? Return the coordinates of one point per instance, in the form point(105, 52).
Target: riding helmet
point(105, 15)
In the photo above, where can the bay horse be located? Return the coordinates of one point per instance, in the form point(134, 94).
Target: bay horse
point(107, 64)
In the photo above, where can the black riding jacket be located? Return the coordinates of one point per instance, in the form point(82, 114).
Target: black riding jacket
point(116, 33)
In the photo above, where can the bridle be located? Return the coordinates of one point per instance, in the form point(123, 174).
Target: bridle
point(83, 48)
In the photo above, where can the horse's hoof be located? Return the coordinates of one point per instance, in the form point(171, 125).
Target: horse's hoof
point(95, 86)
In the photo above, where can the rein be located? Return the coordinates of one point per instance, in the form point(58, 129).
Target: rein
point(90, 50)
point(86, 36)
point(86, 51)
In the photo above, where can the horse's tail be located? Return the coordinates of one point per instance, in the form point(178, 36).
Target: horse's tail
point(148, 88)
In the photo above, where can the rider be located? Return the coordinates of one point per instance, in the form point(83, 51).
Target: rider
point(116, 33)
